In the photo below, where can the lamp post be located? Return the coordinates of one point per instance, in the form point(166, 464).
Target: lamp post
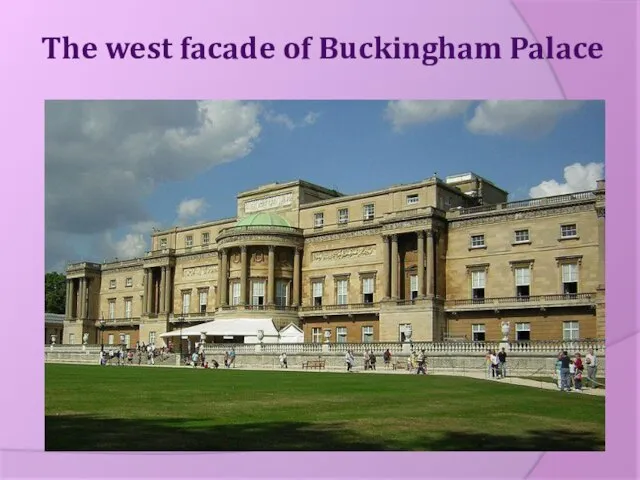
point(102, 335)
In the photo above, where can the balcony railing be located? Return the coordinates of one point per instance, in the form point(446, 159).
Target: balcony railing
point(534, 202)
point(258, 308)
point(118, 321)
point(340, 308)
point(535, 301)
point(190, 317)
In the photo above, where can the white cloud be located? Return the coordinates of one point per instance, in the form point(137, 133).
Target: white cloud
point(189, 210)
point(577, 178)
point(286, 121)
point(529, 117)
point(104, 158)
point(404, 113)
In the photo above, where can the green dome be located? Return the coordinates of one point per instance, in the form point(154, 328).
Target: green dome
point(263, 220)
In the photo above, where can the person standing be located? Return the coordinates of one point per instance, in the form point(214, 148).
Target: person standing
point(592, 367)
point(387, 358)
point(577, 379)
point(349, 359)
point(502, 359)
point(422, 361)
point(565, 365)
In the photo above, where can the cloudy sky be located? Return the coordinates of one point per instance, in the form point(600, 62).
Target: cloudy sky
point(114, 170)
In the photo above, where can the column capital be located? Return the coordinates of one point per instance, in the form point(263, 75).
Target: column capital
point(297, 250)
point(421, 233)
point(272, 248)
point(394, 237)
point(243, 248)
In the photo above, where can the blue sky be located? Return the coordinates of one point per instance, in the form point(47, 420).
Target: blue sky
point(140, 161)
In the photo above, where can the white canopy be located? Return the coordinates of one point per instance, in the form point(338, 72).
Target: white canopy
point(236, 327)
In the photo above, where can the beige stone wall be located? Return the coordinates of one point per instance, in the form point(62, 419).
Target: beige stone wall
point(194, 274)
point(121, 291)
point(543, 250)
point(352, 324)
point(420, 319)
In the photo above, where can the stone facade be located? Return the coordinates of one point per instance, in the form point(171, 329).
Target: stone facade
point(429, 261)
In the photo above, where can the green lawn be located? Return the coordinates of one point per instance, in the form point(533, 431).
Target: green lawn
point(168, 409)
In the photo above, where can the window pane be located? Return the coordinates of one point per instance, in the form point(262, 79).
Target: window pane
point(523, 276)
point(367, 285)
point(413, 280)
point(478, 279)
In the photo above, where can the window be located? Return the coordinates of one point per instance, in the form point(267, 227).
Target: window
point(316, 335)
point(478, 284)
point(523, 332)
point(413, 285)
point(112, 284)
point(341, 335)
point(477, 241)
point(205, 238)
point(522, 236)
point(342, 296)
point(127, 340)
point(368, 212)
point(570, 331)
point(403, 330)
point(568, 231)
point(188, 241)
point(570, 278)
point(282, 293)
point(478, 332)
point(128, 282)
point(203, 301)
point(112, 309)
point(257, 292)
point(413, 199)
point(367, 289)
point(72, 339)
point(110, 339)
point(523, 281)
point(367, 334)
point(163, 243)
point(235, 293)
point(128, 302)
point(318, 220)
point(152, 338)
point(186, 302)
point(343, 216)
point(316, 293)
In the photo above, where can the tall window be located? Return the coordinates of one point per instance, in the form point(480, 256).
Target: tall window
point(367, 289)
point(316, 293)
point(188, 241)
point(203, 301)
point(112, 309)
point(568, 231)
point(152, 338)
point(257, 292)
point(342, 294)
point(316, 335)
point(478, 332)
point(369, 212)
point(205, 238)
point(570, 331)
point(186, 302)
point(523, 281)
point(341, 335)
point(318, 220)
point(282, 293)
point(413, 284)
point(403, 330)
point(343, 216)
point(72, 339)
point(128, 303)
point(570, 278)
point(235, 293)
point(478, 284)
point(367, 334)
point(523, 332)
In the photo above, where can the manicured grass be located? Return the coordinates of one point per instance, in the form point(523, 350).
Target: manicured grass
point(165, 409)
point(549, 379)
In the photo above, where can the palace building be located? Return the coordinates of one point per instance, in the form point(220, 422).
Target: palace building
point(434, 260)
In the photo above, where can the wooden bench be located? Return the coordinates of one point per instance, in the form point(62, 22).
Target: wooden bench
point(400, 365)
point(309, 364)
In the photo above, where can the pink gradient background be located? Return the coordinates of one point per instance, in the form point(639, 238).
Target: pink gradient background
point(27, 79)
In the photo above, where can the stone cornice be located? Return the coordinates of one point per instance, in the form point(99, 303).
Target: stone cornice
point(260, 239)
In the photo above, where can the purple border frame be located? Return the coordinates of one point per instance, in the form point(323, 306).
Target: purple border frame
point(27, 79)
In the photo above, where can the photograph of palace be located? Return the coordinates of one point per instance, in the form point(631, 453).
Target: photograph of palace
point(441, 259)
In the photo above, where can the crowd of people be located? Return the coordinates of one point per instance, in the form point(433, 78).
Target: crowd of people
point(416, 361)
point(120, 355)
point(570, 371)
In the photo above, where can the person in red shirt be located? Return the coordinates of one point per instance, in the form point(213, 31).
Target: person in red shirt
point(578, 375)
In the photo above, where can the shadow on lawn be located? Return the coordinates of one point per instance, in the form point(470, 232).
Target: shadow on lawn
point(84, 433)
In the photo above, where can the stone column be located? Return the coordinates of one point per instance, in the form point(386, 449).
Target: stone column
point(271, 287)
point(82, 298)
point(243, 275)
point(601, 247)
point(224, 294)
point(149, 291)
point(296, 277)
point(431, 263)
point(163, 289)
point(421, 285)
point(385, 267)
point(167, 291)
point(220, 277)
point(68, 306)
point(394, 267)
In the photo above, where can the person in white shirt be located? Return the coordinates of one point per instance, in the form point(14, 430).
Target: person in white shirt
point(592, 367)
point(283, 360)
point(350, 360)
point(494, 365)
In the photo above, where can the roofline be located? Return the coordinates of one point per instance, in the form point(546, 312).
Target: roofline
point(293, 183)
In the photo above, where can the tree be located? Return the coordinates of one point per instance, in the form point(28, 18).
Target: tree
point(55, 292)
